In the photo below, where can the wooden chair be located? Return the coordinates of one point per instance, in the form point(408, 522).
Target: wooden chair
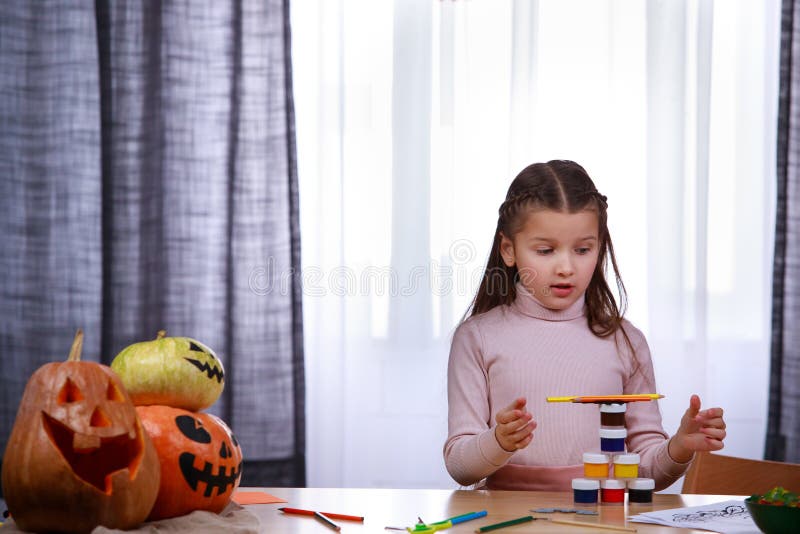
point(715, 474)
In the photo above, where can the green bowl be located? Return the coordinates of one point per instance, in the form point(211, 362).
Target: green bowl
point(773, 519)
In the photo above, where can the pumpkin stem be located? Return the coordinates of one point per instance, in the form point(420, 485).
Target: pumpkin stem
point(161, 334)
point(77, 346)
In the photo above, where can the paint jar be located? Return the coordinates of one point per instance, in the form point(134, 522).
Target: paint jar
point(612, 491)
point(640, 490)
point(584, 490)
point(626, 465)
point(613, 439)
point(595, 465)
point(612, 415)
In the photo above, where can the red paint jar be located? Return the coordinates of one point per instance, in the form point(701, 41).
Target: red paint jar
point(612, 491)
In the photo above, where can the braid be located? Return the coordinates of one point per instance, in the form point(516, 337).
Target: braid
point(509, 209)
point(602, 200)
point(562, 186)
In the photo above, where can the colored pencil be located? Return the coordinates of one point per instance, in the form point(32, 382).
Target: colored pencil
point(425, 528)
point(330, 524)
point(509, 523)
point(603, 526)
point(608, 398)
point(332, 515)
point(467, 517)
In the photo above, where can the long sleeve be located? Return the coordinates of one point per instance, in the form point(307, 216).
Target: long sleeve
point(526, 350)
point(471, 452)
point(646, 436)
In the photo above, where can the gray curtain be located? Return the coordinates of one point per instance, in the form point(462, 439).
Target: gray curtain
point(783, 427)
point(148, 181)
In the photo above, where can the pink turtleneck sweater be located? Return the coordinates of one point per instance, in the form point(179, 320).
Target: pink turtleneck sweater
point(527, 350)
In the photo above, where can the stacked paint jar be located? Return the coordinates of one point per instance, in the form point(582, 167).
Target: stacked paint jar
point(613, 470)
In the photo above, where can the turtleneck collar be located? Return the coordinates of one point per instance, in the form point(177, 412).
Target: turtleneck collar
point(528, 304)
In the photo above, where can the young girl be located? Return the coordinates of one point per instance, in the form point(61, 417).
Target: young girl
point(545, 323)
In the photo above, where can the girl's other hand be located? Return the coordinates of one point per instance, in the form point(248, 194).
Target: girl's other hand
point(514, 430)
point(700, 430)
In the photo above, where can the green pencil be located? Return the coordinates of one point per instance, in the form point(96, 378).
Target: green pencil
point(508, 523)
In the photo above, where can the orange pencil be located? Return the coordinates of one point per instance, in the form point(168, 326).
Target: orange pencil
point(299, 511)
point(608, 398)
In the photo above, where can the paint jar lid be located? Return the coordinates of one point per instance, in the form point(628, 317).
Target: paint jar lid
point(612, 483)
point(613, 433)
point(629, 458)
point(641, 484)
point(585, 484)
point(595, 458)
point(612, 408)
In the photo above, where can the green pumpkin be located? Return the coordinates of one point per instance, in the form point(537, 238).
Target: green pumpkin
point(174, 371)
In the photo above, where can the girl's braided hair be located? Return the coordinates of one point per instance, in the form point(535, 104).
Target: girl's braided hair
point(558, 185)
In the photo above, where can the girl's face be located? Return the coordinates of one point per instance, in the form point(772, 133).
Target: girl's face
point(555, 253)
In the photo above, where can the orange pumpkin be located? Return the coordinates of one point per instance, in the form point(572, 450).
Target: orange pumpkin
point(77, 456)
point(201, 461)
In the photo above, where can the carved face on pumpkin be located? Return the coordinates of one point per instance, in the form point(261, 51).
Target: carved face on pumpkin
point(201, 461)
point(78, 456)
point(173, 371)
point(92, 424)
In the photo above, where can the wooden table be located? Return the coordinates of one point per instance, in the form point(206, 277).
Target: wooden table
point(401, 507)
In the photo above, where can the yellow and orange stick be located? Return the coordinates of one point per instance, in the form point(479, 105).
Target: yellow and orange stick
point(608, 398)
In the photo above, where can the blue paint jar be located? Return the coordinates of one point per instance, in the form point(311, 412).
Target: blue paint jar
point(585, 491)
point(613, 439)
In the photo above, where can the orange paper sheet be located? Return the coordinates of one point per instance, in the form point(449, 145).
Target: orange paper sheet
point(256, 497)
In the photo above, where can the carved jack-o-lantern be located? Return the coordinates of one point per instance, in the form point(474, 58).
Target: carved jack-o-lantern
point(78, 456)
point(173, 371)
point(201, 461)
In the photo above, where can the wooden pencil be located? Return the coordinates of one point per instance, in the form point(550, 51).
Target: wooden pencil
point(603, 526)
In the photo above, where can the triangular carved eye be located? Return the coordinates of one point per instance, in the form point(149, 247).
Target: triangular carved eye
point(69, 393)
point(114, 394)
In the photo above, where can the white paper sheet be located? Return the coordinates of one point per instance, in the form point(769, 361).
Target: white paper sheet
point(727, 517)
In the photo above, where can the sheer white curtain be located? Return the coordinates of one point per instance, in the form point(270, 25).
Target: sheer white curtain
point(412, 118)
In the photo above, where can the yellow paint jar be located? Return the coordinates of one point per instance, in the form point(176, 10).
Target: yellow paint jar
point(626, 465)
point(595, 465)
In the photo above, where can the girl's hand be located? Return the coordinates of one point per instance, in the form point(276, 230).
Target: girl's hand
point(515, 426)
point(699, 431)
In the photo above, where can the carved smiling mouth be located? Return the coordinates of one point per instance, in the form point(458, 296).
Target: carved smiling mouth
point(95, 459)
point(211, 372)
point(221, 480)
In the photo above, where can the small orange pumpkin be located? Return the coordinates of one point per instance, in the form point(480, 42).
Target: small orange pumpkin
point(201, 461)
point(77, 456)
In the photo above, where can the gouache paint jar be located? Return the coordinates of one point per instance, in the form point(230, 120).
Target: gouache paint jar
point(584, 490)
point(612, 491)
point(595, 465)
point(626, 465)
point(640, 490)
point(612, 415)
point(612, 439)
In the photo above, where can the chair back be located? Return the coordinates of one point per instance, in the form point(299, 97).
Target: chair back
point(716, 474)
